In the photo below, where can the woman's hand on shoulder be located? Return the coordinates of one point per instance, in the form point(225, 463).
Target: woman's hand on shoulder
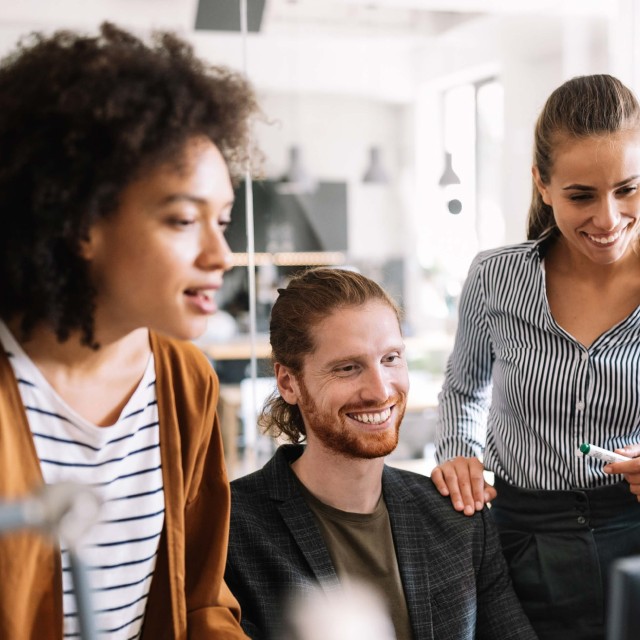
point(630, 470)
point(462, 479)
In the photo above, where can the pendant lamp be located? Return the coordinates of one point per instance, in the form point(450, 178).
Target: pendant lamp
point(447, 181)
point(296, 178)
point(375, 173)
point(449, 176)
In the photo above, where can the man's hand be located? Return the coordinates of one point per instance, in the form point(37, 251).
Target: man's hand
point(462, 479)
point(630, 470)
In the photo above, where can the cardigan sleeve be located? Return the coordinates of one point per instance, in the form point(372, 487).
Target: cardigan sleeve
point(212, 611)
point(197, 496)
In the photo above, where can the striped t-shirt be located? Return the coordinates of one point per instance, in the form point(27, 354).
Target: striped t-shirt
point(122, 463)
point(522, 390)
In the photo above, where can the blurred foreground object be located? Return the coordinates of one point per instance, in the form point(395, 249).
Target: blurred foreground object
point(352, 611)
point(64, 511)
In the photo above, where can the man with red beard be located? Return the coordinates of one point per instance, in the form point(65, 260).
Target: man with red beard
point(330, 511)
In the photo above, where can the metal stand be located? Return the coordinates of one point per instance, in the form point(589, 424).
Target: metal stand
point(63, 511)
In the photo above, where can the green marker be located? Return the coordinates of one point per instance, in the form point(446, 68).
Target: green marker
point(601, 454)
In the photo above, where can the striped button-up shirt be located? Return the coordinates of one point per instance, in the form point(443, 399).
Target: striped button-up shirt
point(523, 393)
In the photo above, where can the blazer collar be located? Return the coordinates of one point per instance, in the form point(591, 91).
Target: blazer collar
point(283, 489)
point(280, 479)
point(408, 535)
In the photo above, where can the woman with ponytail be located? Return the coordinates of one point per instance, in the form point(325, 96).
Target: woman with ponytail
point(546, 359)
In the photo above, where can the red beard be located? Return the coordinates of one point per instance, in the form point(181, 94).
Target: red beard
point(339, 434)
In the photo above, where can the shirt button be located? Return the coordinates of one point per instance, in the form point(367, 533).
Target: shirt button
point(581, 520)
point(580, 405)
point(585, 357)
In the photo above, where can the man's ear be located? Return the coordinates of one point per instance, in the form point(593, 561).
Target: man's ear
point(540, 186)
point(287, 384)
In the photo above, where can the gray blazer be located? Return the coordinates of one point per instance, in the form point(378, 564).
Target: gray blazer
point(455, 579)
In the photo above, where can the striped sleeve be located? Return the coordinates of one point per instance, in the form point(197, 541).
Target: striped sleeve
point(465, 396)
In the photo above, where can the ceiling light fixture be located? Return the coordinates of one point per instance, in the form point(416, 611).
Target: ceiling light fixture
point(448, 182)
point(296, 179)
point(449, 176)
point(375, 173)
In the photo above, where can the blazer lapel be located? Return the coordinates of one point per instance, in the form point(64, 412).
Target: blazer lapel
point(297, 516)
point(411, 551)
point(304, 530)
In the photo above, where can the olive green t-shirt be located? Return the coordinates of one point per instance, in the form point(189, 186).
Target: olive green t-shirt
point(361, 547)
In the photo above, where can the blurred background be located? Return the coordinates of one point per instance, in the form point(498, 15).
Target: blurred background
point(397, 141)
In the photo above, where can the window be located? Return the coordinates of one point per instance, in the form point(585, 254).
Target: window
point(471, 117)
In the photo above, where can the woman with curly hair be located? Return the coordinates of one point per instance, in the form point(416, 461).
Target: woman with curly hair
point(115, 192)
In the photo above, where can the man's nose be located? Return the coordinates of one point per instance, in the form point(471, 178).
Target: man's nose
point(376, 387)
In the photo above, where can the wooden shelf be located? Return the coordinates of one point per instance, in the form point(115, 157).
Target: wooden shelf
point(293, 259)
point(239, 348)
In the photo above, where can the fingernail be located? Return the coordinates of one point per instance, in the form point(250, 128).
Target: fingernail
point(479, 506)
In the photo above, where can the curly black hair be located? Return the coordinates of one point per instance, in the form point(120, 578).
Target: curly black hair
point(80, 117)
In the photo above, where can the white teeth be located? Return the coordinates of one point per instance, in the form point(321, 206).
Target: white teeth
point(200, 293)
point(606, 240)
point(372, 418)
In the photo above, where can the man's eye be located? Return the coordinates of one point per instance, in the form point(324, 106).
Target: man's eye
point(347, 368)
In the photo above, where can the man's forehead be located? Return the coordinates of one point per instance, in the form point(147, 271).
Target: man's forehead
point(348, 331)
point(373, 306)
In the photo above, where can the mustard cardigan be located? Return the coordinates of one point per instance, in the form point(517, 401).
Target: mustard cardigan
point(188, 598)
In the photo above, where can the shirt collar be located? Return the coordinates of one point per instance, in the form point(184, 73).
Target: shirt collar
point(540, 246)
